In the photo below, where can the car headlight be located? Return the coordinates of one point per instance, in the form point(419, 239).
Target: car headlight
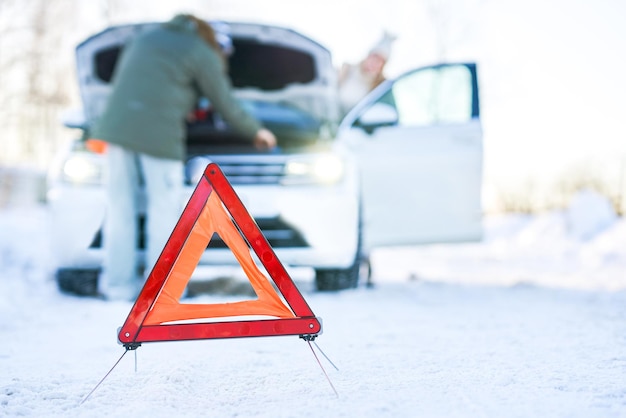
point(82, 168)
point(323, 169)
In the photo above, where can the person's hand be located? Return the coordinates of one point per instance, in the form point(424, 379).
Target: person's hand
point(264, 139)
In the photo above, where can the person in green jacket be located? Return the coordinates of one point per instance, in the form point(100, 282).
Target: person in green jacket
point(160, 77)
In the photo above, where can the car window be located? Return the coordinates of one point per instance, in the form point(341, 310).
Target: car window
point(431, 96)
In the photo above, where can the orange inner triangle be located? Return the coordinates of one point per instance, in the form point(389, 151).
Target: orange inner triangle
point(214, 219)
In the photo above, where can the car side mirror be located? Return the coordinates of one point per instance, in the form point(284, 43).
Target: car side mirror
point(376, 116)
point(74, 118)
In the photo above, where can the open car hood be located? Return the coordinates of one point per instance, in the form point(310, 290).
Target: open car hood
point(269, 63)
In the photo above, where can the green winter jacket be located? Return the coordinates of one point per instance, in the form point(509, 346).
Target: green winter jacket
point(159, 78)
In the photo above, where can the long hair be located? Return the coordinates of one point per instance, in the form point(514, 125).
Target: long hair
point(206, 32)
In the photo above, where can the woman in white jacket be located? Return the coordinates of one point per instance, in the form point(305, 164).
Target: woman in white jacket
point(356, 80)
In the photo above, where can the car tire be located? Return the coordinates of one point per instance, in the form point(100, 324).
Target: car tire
point(80, 282)
point(341, 279)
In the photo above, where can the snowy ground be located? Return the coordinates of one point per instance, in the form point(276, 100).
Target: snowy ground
point(529, 323)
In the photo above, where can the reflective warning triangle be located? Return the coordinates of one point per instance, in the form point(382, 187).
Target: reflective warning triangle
point(158, 315)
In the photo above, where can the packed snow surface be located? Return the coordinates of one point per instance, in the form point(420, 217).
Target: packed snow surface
point(531, 322)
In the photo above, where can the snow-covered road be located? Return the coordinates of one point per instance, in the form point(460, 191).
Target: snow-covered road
point(402, 349)
point(434, 338)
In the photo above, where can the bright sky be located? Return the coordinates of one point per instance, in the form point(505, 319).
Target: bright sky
point(553, 82)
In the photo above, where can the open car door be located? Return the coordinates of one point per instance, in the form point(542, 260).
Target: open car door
point(418, 140)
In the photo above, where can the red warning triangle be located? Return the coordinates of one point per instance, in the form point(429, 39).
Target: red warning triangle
point(158, 315)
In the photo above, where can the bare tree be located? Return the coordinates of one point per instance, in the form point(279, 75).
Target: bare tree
point(110, 10)
point(451, 26)
point(34, 80)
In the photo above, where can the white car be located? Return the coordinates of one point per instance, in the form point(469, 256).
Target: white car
point(403, 167)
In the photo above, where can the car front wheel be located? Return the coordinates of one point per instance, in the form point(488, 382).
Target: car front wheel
point(80, 282)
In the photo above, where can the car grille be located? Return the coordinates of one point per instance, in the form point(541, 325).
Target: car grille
point(278, 233)
point(250, 174)
point(240, 170)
